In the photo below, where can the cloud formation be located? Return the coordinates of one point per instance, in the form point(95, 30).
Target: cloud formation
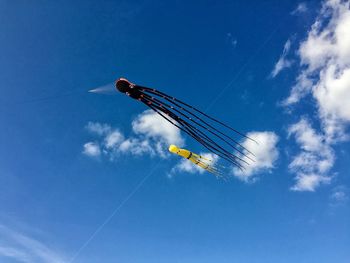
point(266, 154)
point(151, 135)
point(22, 248)
point(91, 149)
point(313, 162)
point(325, 68)
point(151, 125)
point(324, 73)
point(282, 62)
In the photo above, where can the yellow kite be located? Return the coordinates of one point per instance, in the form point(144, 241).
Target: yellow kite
point(197, 159)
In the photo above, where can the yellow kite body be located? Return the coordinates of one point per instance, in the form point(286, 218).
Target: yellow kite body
point(197, 159)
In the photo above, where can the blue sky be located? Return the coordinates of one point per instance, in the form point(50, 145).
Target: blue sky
point(280, 71)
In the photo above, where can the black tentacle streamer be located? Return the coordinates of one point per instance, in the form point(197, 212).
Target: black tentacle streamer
point(185, 117)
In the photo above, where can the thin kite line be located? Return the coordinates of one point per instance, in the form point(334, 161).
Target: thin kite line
point(109, 218)
point(243, 68)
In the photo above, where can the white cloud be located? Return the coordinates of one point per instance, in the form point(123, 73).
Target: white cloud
point(325, 67)
point(151, 135)
point(305, 136)
point(91, 149)
point(22, 248)
point(309, 182)
point(113, 139)
point(152, 125)
point(140, 147)
point(315, 159)
point(266, 154)
point(98, 128)
point(329, 39)
point(299, 90)
point(333, 96)
point(324, 75)
point(282, 62)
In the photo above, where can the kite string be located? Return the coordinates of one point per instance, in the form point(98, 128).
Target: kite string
point(250, 59)
point(115, 211)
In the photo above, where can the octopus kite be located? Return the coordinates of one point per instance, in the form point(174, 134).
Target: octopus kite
point(192, 121)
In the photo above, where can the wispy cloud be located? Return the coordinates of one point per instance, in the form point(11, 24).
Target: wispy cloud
point(266, 154)
point(339, 196)
point(15, 253)
point(98, 128)
point(301, 8)
point(282, 62)
point(23, 248)
point(324, 73)
point(151, 135)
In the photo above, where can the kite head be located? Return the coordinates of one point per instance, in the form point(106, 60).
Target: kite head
point(173, 148)
point(123, 85)
point(128, 88)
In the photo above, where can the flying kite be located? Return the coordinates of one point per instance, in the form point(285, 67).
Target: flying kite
point(192, 121)
point(198, 160)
